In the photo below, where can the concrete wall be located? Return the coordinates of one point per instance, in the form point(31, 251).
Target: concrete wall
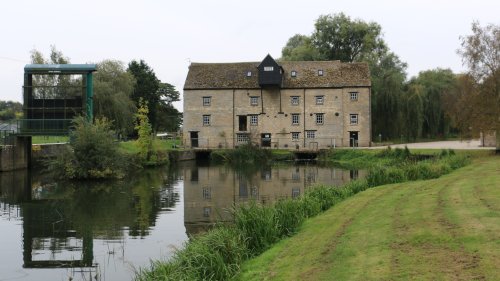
point(17, 155)
point(274, 113)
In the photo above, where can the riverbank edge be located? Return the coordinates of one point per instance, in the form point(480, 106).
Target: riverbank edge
point(219, 253)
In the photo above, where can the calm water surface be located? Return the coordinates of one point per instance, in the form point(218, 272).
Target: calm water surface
point(107, 231)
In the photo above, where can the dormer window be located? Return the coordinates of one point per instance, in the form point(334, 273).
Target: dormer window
point(294, 73)
point(320, 72)
point(249, 74)
point(268, 68)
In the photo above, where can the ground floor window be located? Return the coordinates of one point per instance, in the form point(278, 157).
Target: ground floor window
point(242, 138)
point(310, 134)
point(295, 136)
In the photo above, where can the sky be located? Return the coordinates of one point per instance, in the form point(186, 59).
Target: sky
point(168, 35)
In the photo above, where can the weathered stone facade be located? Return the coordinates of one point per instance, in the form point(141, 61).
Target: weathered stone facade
point(317, 105)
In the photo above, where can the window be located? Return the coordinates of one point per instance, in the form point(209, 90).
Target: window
point(294, 73)
point(206, 101)
point(320, 72)
point(207, 211)
point(310, 134)
point(320, 118)
point(254, 101)
point(249, 74)
point(206, 120)
point(295, 192)
point(242, 138)
point(320, 99)
point(354, 95)
point(268, 68)
point(295, 119)
point(295, 100)
point(295, 136)
point(254, 120)
point(353, 119)
point(207, 193)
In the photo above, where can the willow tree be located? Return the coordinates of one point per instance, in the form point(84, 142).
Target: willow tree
point(481, 53)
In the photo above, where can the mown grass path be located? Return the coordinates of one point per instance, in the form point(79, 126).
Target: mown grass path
point(442, 229)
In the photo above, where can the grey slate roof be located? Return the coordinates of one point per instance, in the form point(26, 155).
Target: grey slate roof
point(234, 75)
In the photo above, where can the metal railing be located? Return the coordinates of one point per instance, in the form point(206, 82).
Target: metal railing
point(43, 126)
point(274, 143)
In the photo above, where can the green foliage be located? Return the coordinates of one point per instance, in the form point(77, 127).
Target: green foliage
point(144, 131)
point(243, 154)
point(93, 153)
point(169, 119)
point(299, 47)
point(339, 37)
point(113, 87)
point(10, 110)
point(146, 87)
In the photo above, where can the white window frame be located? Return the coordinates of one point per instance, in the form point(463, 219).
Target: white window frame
point(295, 100)
point(242, 138)
point(310, 134)
point(320, 118)
point(353, 119)
point(295, 136)
point(354, 96)
point(320, 72)
point(297, 117)
point(320, 100)
point(207, 101)
point(268, 68)
point(254, 100)
point(206, 120)
point(254, 120)
point(249, 74)
point(293, 73)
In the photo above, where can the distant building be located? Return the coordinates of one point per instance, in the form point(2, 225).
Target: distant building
point(290, 104)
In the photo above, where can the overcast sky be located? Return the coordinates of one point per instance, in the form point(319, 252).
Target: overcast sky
point(169, 35)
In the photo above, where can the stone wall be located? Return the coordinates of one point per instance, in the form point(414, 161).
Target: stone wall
point(273, 110)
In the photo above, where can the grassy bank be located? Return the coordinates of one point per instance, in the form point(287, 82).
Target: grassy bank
point(441, 229)
point(218, 254)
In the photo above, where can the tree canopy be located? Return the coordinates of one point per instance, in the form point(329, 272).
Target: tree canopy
point(113, 87)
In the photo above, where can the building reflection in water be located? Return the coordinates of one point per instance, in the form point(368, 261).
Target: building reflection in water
point(61, 221)
point(211, 191)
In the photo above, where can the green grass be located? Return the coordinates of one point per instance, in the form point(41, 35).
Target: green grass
point(49, 139)
point(441, 229)
point(131, 147)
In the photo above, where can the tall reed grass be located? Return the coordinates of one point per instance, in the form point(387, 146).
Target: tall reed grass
point(218, 254)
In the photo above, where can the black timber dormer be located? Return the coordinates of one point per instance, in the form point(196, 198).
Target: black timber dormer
point(270, 73)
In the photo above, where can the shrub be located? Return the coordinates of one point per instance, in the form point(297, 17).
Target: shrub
point(93, 153)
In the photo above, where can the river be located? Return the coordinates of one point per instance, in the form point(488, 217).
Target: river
point(108, 230)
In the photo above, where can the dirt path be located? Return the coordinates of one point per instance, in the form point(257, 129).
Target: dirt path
point(469, 144)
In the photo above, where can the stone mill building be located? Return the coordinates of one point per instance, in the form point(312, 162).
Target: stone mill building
point(304, 105)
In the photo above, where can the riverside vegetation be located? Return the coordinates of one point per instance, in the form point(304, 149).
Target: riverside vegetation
point(219, 253)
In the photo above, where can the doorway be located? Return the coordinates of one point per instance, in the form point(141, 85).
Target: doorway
point(265, 139)
point(353, 139)
point(242, 123)
point(194, 139)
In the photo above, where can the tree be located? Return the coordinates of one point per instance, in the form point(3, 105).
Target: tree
point(481, 53)
point(146, 87)
point(169, 118)
point(113, 87)
point(144, 131)
point(435, 84)
point(299, 47)
point(339, 37)
point(10, 110)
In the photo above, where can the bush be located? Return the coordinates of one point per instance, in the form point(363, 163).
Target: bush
point(242, 155)
point(93, 153)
